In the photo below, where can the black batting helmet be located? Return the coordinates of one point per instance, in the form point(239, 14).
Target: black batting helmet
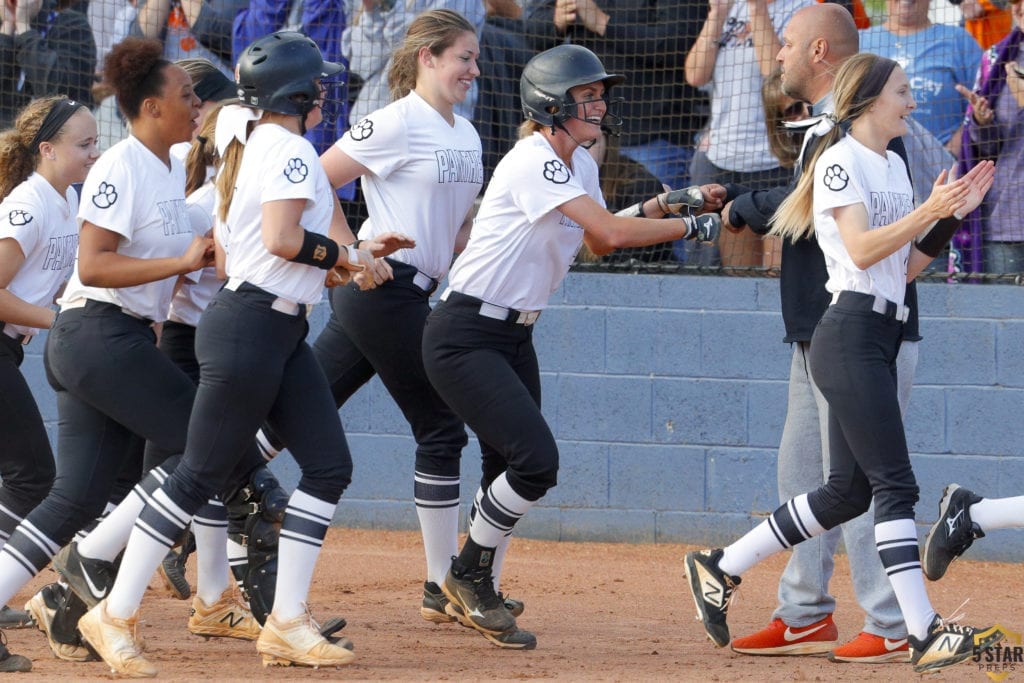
point(548, 77)
point(280, 73)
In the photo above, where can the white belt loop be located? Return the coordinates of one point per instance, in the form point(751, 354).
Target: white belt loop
point(881, 306)
point(423, 281)
point(501, 313)
point(279, 304)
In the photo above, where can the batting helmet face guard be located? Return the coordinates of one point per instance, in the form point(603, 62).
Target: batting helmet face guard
point(281, 73)
point(548, 77)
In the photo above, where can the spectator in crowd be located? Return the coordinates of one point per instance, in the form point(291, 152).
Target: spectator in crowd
point(190, 29)
point(936, 57)
point(46, 48)
point(988, 21)
point(733, 55)
point(110, 21)
point(779, 109)
point(649, 44)
point(375, 29)
point(994, 129)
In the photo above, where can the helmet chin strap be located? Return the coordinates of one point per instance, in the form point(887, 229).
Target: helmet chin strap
point(584, 145)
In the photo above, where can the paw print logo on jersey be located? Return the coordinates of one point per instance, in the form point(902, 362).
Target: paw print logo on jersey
point(556, 172)
point(361, 130)
point(296, 170)
point(106, 195)
point(18, 217)
point(836, 178)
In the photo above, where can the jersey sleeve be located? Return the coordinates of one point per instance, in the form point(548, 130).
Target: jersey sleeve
point(290, 172)
point(539, 183)
point(20, 221)
point(379, 142)
point(836, 180)
point(108, 197)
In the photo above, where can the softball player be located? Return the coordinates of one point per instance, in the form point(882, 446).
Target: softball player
point(275, 213)
point(51, 145)
point(415, 147)
point(543, 202)
point(866, 223)
point(101, 358)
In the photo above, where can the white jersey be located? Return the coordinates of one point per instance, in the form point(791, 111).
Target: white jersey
point(424, 177)
point(522, 245)
point(276, 165)
point(192, 298)
point(131, 192)
point(737, 135)
point(43, 223)
point(849, 173)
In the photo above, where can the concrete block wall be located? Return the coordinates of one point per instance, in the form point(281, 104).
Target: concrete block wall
point(667, 394)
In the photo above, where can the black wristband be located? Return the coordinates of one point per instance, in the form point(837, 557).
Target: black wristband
point(939, 236)
point(319, 251)
point(356, 244)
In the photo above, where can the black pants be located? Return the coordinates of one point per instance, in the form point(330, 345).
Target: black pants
point(853, 362)
point(26, 459)
point(487, 371)
point(113, 386)
point(255, 366)
point(380, 331)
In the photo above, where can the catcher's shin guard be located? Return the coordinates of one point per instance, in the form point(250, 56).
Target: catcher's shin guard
point(255, 513)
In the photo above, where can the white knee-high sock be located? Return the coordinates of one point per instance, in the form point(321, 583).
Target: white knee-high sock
point(302, 534)
point(998, 513)
point(790, 524)
point(437, 506)
point(237, 556)
point(146, 548)
point(111, 535)
point(83, 532)
point(210, 527)
point(897, 548)
point(267, 449)
point(499, 510)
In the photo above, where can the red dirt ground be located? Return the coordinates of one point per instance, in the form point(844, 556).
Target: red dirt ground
point(606, 612)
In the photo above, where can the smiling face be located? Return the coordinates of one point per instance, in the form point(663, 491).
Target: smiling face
point(449, 75)
point(73, 152)
point(178, 105)
point(894, 104)
point(585, 116)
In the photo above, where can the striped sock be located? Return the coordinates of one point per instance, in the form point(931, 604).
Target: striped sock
point(210, 527)
point(24, 555)
point(159, 525)
point(896, 541)
point(790, 524)
point(9, 521)
point(437, 506)
point(110, 536)
point(302, 534)
point(499, 510)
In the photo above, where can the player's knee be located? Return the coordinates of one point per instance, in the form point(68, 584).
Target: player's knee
point(327, 480)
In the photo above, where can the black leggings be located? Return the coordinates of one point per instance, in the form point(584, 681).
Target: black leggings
point(487, 371)
point(381, 332)
point(853, 362)
point(26, 459)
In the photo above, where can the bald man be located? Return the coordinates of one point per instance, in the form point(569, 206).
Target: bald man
point(816, 42)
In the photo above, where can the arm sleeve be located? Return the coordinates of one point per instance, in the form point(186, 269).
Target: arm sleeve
point(755, 209)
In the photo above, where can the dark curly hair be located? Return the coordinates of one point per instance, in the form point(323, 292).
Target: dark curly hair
point(135, 70)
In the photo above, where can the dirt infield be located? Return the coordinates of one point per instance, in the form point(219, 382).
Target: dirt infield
point(600, 612)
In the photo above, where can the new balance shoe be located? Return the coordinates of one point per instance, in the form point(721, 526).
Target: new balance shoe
point(14, 618)
point(948, 644)
point(300, 642)
point(953, 532)
point(114, 641)
point(43, 608)
point(473, 601)
point(712, 591)
point(11, 663)
point(780, 639)
point(867, 648)
point(91, 580)
point(226, 618)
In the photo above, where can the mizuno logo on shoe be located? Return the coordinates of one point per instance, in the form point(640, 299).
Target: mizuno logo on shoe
point(789, 635)
point(891, 645)
point(951, 522)
point(96, 592)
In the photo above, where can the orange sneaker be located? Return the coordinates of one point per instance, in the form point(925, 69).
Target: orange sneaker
point(871, 649)
point(779, 639)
